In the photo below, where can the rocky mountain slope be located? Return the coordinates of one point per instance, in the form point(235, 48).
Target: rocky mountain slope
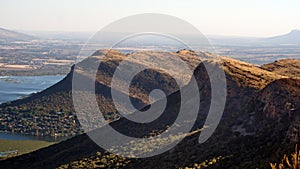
point(51, 112)
point(285, 67)
point(260, 123)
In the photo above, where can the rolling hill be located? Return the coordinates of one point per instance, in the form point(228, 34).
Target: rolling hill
point(292, 37)
point(260, 122)
point(285, 67)
point(51, 112)
point(8, 35)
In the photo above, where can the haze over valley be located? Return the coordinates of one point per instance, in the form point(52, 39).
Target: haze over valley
point(54, 52)
point(149, 84)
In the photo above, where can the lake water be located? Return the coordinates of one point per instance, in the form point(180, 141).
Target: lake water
point(17, 136)
point(15, 87)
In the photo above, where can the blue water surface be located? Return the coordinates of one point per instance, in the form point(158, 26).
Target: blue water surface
point(15, 87)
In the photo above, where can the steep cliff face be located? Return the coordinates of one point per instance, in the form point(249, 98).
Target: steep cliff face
point(281, 98)
point(277, 106)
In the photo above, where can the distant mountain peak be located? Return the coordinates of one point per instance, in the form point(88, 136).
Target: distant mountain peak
point(9, 35)
point(292, 37)
point(295, 31)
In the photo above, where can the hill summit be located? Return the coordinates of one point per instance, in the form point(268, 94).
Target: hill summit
point(259, 124)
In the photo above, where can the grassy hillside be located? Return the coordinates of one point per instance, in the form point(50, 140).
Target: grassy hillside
point(19, 147)
point(285, 67)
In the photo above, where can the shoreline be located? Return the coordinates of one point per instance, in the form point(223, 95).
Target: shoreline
point(25, 136)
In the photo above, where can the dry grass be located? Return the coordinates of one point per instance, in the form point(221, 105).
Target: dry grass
point(22, 146)
point(292, 162)
point(249, 75)
point(286, 67)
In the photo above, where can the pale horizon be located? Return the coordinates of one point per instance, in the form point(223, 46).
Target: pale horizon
point(91, 32)
point(230, 18)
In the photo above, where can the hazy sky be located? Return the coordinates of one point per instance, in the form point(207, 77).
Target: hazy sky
point(223, 17)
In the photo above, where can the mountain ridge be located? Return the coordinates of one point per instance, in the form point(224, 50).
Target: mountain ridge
point(285, 67)
point(9, 35)
point(260, 122)
point(290, 38)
